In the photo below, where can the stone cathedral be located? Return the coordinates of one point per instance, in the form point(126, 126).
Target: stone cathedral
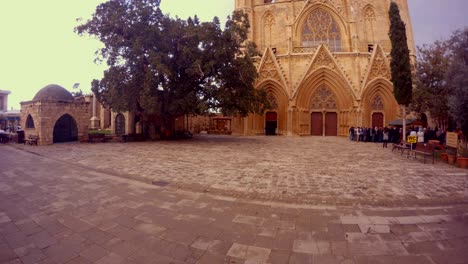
point(325, 65)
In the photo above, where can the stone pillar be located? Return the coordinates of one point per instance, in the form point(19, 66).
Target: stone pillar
point(289, 122)
point(95, 121)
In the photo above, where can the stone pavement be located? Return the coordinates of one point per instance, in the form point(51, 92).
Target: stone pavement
point(54, 211)
point(311, 170)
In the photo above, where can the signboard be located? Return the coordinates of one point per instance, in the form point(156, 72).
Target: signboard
point(452, 139)
point(412, 139)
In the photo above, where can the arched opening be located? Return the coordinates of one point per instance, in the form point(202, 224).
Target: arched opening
point(65, 129)
point(319, 27)
point(120, 124)
point(377, 108)
point(370, 18)
point(271, 123)
point(424, 119)
point(325, 121)
point(377, 120)
point(29, 122)
point(268, 23)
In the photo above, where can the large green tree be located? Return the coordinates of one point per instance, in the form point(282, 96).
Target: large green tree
point(457, 78)
point(432, 91)
point(172, 67)
point(400, 64)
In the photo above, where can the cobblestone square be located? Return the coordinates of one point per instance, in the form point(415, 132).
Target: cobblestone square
point(229, 200)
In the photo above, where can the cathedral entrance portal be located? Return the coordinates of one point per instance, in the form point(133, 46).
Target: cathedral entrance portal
point(271, 123)
point(328, 128)
point(377, 120)
point(331, 124)
point(316, 124)
point(65, 129)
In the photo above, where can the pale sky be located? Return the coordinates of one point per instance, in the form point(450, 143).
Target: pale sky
point(38, 46)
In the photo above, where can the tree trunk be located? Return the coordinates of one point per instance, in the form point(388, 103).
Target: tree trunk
point(403, 118)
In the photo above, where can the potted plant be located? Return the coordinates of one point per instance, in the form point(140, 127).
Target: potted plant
point(443, 155)
point(451, 156)
point(462, 157)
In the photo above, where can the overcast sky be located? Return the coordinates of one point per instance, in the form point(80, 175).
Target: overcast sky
point(38, 46)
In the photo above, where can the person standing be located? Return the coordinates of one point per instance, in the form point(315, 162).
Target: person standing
point(351, 133)
point(385, 137)
point(420, 135)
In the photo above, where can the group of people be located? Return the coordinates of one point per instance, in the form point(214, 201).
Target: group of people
point(375, 134)
point(387, 135)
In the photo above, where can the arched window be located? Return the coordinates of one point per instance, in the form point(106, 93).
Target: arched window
point(377, 103)
point(29, 122)
point(323, 99)
point(268, 22)
point(320, 28)
point(119, 124)
point(369, 15)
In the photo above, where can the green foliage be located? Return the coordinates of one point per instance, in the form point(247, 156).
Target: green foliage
point(172, 67)
point(400, 63)
point(457, 78)
point(104, 131)
point(463, 148)
point(432, 91)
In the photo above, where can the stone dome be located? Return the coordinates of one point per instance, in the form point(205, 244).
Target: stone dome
point(53, 92)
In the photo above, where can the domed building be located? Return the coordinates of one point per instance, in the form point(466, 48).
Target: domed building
point(325, 65)
point(55, 116)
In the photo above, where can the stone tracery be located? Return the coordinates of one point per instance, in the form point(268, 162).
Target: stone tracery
point(379, 67)
point(273, 102)
point(321, 28)
point(369, 13)
point(268, 69)
point(323, 98)
point(377, 103)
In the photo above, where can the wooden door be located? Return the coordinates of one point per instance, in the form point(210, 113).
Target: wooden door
point(377, 120)
point(271, 123)
point(331, 124)
point(316, 124)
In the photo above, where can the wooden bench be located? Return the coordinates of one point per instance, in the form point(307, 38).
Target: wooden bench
point(96, 137)
point(401, 146)
point(31, 140)
point(425, 150)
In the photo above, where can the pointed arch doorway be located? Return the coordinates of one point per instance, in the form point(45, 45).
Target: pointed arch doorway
point(271, 123)
point(65, 129)
point(377, 120)
point(325, 121)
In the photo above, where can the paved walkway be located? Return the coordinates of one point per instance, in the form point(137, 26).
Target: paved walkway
point(53, 211)
point(311, 170)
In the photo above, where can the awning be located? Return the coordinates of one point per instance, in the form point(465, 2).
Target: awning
point(409, 122)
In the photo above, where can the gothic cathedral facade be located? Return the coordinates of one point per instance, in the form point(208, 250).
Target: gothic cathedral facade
point(325, 65)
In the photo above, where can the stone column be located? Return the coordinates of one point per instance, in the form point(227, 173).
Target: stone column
point(95, 121)
point(289, 122)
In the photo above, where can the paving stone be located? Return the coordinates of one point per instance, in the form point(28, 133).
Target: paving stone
point(111, 258)
point(249, 220)
point(93, 253)
point(235, 177)
point(393, 259)
point(7, 254)
point(79, 260)
point(81, 215)
point(43, 239)
point(374, 229)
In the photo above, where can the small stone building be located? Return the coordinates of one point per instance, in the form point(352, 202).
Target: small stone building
point(55, 116)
